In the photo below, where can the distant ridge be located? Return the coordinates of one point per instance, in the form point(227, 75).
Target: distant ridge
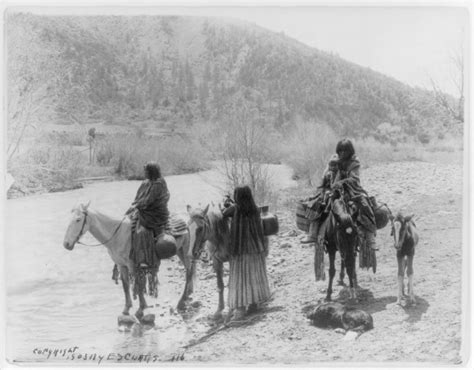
point(179, 70)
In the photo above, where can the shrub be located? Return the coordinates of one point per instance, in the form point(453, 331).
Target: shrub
point(128, 153)
point(371, 151)
point(308, 148)
point(424, 137)
point(48, 167)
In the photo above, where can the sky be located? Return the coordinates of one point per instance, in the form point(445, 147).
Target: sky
point(412, 44)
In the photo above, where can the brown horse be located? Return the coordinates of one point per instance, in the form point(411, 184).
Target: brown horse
point(405, 238)
point(341, 235)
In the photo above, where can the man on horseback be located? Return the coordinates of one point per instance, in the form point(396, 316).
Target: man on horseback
point(342, 172)
point(149, 214)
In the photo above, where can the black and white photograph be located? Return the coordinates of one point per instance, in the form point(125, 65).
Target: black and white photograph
point(254, 185)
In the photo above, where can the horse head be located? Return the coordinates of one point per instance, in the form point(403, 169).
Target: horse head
point(77, 227)
point(342, 215)
point(197, 220)
point(401, 228)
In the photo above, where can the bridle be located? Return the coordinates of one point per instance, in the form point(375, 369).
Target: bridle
point(82, 232)
point(203, 229)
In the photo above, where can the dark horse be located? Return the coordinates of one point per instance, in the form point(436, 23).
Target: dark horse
point(341, 235)
point(213, 228)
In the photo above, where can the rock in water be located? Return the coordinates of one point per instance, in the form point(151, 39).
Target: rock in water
point(126, 320)
point(148, 319)
point(137, 330)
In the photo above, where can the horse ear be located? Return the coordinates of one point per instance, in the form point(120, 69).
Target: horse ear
point(205, 210)
point(189, 208)
point(410, 217)
point(86, 206)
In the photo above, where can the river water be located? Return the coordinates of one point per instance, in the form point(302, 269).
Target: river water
point(66, 301)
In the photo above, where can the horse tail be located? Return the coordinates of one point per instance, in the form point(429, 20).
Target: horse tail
point(193, 273)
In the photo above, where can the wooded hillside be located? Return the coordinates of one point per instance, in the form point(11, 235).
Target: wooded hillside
point(175, 71)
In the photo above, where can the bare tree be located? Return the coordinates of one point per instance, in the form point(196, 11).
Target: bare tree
point(32, 74)
point(243, 151)
point(456, 58)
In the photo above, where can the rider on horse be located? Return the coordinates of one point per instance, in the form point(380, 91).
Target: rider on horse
point(343, 172)
point(149, 214)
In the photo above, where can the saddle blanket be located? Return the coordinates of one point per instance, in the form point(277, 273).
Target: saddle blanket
point(177, 225)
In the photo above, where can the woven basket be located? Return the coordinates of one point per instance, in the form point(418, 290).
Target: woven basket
point(302, 223)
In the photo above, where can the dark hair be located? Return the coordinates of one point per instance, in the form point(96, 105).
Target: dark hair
point(152, 171)
point(345, 145)
point(244, 200)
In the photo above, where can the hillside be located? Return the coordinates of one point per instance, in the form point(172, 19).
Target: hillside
point(171, 71)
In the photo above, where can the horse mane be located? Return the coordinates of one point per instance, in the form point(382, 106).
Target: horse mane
point(218, 227)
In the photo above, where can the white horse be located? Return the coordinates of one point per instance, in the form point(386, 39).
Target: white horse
point(115, 235)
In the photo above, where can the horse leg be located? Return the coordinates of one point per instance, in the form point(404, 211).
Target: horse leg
point(410, 280)
point(332, 272)
point(141, 281)
point(341, 273)
point(350, 266)
point(190, 268)
point(126, 289)
point(219, 269)
point(401, 272)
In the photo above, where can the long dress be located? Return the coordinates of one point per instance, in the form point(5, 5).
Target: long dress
point(248, 282)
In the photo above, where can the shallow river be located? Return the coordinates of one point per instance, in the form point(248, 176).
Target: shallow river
point(66, 300)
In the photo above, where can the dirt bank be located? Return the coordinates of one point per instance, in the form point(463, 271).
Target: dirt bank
point(429, 333)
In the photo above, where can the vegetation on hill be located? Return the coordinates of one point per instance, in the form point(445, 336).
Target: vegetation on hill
point(177, 74)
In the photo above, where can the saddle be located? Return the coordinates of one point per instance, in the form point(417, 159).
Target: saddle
point(176, 226)
point(149, 248)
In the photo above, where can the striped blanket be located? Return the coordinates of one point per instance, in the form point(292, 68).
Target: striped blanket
point(176, 225)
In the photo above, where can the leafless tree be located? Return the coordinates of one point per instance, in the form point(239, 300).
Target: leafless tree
point(456, 58)
point(32, 74)
point(243, 151)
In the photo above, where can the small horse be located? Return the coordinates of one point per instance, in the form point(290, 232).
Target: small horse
point(213, 228)
point(115, 235)
point(341, 235)
point(405, 238)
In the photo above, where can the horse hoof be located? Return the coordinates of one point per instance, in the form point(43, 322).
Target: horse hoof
point(327, 299)
point(217, 316)
point(340, 283)
point(139, 314)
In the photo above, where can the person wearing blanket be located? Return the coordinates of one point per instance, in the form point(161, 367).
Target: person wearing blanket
point(150, 216)
point(343, 171)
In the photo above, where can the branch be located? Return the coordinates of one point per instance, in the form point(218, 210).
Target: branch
point(441, 99)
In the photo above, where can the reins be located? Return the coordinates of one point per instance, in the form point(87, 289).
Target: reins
point(96, 245)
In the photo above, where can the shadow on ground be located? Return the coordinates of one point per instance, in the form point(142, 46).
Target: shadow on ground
point(415, 312)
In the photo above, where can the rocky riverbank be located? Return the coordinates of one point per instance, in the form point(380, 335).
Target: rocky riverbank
point(430, 332)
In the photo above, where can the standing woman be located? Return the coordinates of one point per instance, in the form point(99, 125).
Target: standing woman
point(248, 283)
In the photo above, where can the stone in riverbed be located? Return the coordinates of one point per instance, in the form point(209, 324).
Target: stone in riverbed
point(148, 319)
point(126, 320)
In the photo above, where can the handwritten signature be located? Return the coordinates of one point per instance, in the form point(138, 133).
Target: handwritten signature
point(74, 354)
